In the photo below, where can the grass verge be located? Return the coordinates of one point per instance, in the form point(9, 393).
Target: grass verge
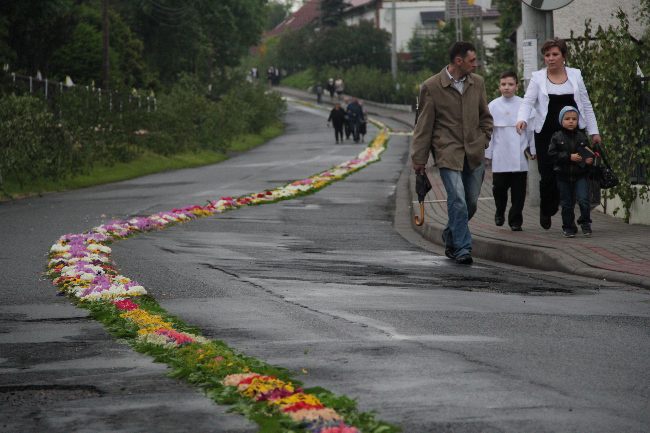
point(146, 163)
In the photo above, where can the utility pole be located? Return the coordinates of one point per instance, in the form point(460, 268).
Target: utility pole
point(459, 22)
point(393, 51)
point(105, 60)
point(537, 24)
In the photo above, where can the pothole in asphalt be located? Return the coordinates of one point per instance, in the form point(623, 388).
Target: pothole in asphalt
point(17, 395)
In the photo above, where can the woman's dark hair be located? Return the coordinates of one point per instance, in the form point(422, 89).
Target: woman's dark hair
point(555, 42)
point(507, 74)
point(460, 49)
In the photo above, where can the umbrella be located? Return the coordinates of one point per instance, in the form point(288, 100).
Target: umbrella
point(422, 187)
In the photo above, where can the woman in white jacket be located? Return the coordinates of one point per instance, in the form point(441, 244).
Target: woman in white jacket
point(550, 89)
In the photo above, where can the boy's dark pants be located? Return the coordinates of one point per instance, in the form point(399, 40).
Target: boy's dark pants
point(570, 192)
point(338, 132)
point(516, 182)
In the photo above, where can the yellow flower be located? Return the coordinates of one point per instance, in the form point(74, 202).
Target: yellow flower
point(146, 322)
point(297, 398)
point(261, 385)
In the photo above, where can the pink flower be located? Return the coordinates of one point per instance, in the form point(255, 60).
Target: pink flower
point(178, 337)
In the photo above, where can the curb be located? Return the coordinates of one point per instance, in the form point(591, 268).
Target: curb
point(541, 258)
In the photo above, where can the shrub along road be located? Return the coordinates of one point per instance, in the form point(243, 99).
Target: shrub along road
point(326, 286)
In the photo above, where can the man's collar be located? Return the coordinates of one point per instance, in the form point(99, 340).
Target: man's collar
point(448, 79)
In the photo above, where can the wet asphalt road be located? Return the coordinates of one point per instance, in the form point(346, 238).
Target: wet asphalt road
point(323, 284)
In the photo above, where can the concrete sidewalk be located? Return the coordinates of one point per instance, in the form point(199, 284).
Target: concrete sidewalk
point(616, 251)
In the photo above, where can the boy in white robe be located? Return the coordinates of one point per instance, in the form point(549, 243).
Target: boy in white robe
point(507, 151)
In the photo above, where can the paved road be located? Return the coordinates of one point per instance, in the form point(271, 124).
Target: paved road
point(334, 283)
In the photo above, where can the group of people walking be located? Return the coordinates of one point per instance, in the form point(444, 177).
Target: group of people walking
point(458, 127)
point(351, 120)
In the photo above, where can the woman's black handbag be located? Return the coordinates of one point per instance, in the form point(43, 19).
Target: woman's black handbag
point(604, 174)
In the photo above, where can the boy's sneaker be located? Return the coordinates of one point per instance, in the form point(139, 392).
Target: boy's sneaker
point(568, 233)
point(586, 229)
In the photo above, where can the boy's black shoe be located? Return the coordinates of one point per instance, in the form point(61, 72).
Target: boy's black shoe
point(449, 252)
point(464, 260)
point(545, 221)
point(586, 229)
point(568, 233)
point(515, 228)
point(499, 220)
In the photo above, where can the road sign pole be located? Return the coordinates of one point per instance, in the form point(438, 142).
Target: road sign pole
point(537, 27)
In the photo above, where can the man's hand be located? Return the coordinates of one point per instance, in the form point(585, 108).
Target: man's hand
point(419, 168)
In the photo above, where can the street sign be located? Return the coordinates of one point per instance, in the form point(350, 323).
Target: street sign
point(529, 49)
point(547, 5)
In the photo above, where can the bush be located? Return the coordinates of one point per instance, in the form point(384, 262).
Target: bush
point(76, 128)
point(609, 59)
point(32, 144)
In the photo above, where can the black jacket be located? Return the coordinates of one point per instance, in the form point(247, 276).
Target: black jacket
point(337, 117)
point(563, 144)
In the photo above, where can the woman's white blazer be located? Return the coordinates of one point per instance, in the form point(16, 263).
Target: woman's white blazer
point(536, 98)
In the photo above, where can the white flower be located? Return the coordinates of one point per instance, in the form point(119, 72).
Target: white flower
point(99, 248)
point(58, 248)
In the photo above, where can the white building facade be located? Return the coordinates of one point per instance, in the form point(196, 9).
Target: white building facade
point(423, 16)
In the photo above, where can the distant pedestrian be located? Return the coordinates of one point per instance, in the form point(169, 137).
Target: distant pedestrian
point(572, 160)
point(355, 117)
point(455, 125)
point(276, 76)
point(363, 126)
point(270, 75)
point(346, 125)
point(319, 93)
point(337, 118)
point(508, 151)
point(339, 87)
point(330, 87)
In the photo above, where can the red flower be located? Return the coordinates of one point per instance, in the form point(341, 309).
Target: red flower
point(126, 304)
point(301, 406)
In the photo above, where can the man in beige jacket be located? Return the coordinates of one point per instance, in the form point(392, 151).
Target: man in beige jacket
point(455, 125)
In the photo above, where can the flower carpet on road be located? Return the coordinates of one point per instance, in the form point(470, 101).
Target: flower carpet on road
point(80, 266)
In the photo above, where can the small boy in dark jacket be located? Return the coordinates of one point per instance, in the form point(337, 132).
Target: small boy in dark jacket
point(572, 160)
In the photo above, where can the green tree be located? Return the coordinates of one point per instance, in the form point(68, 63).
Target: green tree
point(294, 48)
point(347, 46)
point(433, 52)
point(342, 46)
point(331, 12)
point(35, 30)
point(509, 20)
point(7, 54)
point(276, 13)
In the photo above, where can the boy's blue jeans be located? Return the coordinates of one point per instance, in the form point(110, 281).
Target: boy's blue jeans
point(570, 192)
point(463, 189)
